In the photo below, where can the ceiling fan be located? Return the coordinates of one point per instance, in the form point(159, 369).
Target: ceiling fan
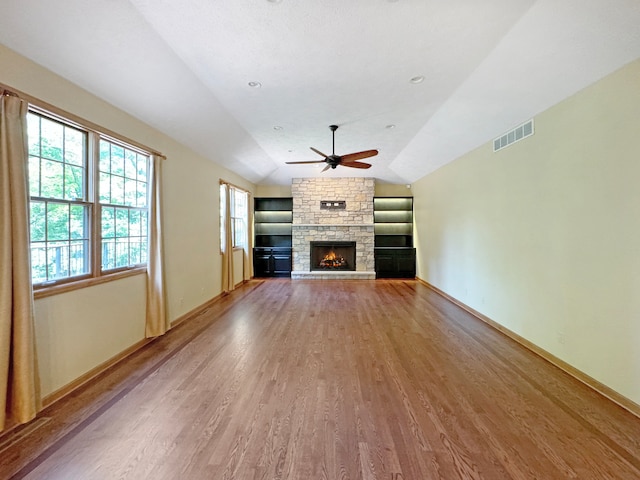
point(333, 160)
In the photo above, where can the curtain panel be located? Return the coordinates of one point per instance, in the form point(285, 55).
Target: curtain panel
point(19, 381)
point(157, 323)
point(227, 246)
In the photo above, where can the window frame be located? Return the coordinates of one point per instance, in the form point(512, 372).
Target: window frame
point(96, 275)
point(234, 218)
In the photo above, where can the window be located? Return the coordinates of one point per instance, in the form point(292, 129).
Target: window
point(239, 216)
point(67, 206)
point(123, 203)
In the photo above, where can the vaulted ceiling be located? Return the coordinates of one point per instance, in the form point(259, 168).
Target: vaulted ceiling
point(185, 67)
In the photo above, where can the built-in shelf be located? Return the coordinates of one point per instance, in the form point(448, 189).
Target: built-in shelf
point(393, 217)
point(394, 254)
point(272, 253)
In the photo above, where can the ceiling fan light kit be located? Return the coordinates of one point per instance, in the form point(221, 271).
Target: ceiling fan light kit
point(333, 160)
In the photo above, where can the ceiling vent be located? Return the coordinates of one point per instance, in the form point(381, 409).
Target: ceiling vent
point(523, 131)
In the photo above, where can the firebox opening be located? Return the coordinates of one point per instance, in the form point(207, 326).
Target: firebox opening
point(333, 256)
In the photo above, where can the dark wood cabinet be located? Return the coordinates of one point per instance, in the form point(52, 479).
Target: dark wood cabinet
point(272, 253)
point(395, 262)
point(272, 262)
point(394, 254)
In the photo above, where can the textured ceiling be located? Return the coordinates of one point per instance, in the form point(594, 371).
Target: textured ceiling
point(184, 66)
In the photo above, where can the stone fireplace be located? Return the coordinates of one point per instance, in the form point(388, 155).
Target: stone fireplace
point(333, 210)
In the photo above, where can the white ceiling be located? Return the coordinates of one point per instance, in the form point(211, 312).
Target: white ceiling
point(183, 66)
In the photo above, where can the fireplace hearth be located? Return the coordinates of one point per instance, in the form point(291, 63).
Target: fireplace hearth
point(333, 256)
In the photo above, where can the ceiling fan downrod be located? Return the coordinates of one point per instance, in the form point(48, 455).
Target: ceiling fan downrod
point(333, 147)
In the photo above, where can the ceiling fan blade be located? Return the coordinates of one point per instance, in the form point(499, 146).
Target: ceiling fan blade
point(356, 165)
point(326, 168)
point(350, 157)
point(318, 152)
point(308, 161)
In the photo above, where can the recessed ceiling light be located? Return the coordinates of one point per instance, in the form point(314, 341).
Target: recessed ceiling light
point(274, 1)
point(390, 126)
point(277, 127)
point(254, 84)
point(418, 79)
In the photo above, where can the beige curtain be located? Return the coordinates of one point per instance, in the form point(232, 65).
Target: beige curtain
point(248, 260)
point(157, 322)
point(227, 247)
point(19, 382)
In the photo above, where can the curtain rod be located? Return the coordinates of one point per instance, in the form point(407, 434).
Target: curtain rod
point(224, 182)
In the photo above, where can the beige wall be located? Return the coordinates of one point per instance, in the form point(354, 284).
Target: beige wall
point(544, 236)
point(273, 190)
point(392, 190)
point(78, 331)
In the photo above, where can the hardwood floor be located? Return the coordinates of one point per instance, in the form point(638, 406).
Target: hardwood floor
point(330, 380)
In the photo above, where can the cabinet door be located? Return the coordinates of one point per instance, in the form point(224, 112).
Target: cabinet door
point(282, 263)
point(261, 265)
point(384, 264)
point(406, 265)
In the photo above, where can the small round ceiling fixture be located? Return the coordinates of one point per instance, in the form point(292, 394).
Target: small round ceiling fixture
point(417, 79)
point(274, 1)
point(277, 127)
point(391, 126)
point(254, 84)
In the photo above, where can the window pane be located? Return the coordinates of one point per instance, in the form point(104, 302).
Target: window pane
point(108, 223)
point(52, 139)
point(34, 176)
point(52, 178)
point(130, 192)
point(117, 190)
point(143, 223)
point(134, 223)
point(108, 254)
point(143, 250)
point(105, 156)
point(117, 160)
point(130, 164)
point(37, 219)
point(57, 221)
point(79, 258)
point(74, 142)
point(141, 194)
point(73, 182)
point(38, 263)
point(58, 260)
point(78, 222)
point(134, 252)
point(33, 133)
point(122, 222)
point(105, 188)
point(142, 167)
point(122, 252)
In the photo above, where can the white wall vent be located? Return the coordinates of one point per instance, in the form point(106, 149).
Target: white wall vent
point(522, 131)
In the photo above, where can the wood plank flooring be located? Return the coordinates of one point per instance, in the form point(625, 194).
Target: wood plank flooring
point(330, 380)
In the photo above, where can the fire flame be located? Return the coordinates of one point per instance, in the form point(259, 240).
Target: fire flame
point(330, 256)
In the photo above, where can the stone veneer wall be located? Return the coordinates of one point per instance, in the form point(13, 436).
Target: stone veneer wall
point(354, 223)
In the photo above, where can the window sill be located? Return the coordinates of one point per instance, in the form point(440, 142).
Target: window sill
point(46, 291)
